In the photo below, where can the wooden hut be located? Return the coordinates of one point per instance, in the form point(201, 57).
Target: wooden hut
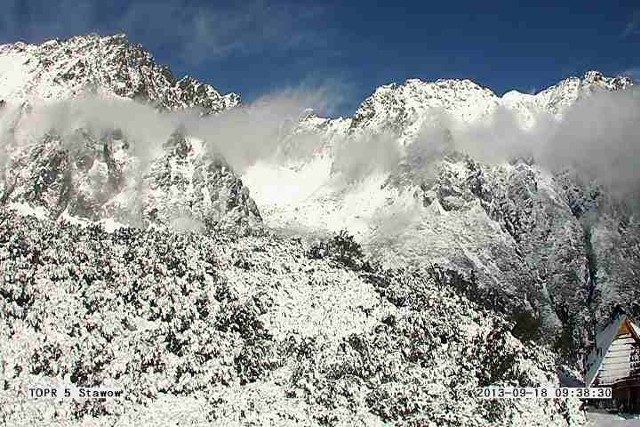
point(614, 362)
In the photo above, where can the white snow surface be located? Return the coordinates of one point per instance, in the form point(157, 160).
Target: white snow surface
point(603, 419)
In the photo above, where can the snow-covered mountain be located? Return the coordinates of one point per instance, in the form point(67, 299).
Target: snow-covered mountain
point(469, 251)
point(99, 172)
point(404, 109)
point(387, 124)
point(402, 174)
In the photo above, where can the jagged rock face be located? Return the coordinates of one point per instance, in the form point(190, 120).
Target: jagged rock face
point(537, 253)
point(403, 109)
point(618, 273)
point(105, 65)
point(75, 174)
point(558, 98)
point(190, 189)
point(550, 244)
point(97, 177)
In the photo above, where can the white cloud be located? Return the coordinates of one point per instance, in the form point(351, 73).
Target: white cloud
point(241, 135)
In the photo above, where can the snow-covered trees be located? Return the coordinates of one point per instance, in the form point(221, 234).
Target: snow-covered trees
point(229, 330)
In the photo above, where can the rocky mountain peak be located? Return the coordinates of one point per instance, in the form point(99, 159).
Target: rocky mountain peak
point(111, 65)
point(612, 83)
point(402, 108)
point(556, 99)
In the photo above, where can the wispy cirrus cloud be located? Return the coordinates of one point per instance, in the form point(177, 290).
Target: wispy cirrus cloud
point(199, 30)
point(633, 25)
point(195, 30)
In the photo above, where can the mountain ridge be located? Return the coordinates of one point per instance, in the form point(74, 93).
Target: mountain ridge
point(57, 69)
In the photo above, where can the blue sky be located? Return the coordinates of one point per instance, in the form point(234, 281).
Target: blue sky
point(256, 47)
